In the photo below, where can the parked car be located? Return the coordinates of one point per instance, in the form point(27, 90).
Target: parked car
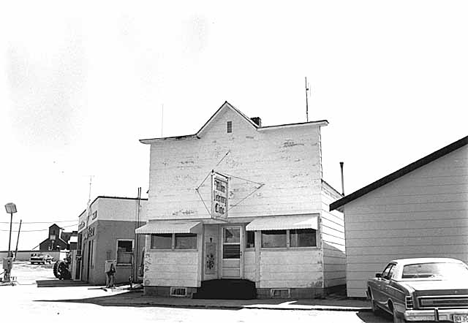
point(41, 258)
point(421, 289)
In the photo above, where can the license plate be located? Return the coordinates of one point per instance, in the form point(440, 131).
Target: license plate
point(460, 318)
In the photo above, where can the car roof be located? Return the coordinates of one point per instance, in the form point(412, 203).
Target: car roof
point(406, 261)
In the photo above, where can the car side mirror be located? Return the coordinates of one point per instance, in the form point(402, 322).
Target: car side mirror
point(378, 275)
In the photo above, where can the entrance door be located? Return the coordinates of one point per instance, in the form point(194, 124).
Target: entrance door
point(232, 252)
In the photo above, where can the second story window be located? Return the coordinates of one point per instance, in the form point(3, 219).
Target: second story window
point(229, 127)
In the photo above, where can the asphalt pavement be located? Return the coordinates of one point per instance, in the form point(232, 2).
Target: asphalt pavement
point(48, 288)
point(125, 296)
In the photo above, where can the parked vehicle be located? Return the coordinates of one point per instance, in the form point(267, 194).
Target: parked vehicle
point(421, 289)
point(40, 258)
point(61, 268)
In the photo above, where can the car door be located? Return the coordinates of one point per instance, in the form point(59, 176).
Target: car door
point(386, 288)
point(380, 294)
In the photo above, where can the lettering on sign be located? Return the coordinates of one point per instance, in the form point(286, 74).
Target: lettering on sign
point(81, 225)
point(219, 196)
point(94, 215)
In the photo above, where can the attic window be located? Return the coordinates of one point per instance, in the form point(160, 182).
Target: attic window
point(229, 127)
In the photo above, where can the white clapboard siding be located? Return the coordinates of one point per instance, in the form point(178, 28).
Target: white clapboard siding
point(286, 160)
point(165, 268)
point(421, 214)
point(291, 269)
point(332, 240)
point(249, 264)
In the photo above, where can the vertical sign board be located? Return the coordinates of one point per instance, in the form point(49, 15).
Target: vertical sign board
point(219, 196)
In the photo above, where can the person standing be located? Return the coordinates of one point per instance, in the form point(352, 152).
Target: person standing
point(110, 273)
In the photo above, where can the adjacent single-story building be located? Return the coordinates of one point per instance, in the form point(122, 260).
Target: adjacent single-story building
point(238, 201)
point(106, 231)
point(420, 210)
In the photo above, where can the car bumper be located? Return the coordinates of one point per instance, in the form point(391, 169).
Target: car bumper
point(444, 315)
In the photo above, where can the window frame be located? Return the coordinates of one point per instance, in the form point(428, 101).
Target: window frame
point(174, 242)
point(161, 234)
point(126, 252)
point(288, 241)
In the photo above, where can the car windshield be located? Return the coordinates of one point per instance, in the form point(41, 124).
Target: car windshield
point(438, 270)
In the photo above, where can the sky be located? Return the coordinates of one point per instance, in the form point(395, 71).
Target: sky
point(82, 82)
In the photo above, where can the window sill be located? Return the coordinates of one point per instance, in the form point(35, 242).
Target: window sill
point(174, 250)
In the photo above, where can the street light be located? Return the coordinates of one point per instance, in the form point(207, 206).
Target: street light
point(8, 261)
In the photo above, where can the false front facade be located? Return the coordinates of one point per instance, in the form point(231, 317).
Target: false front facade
point(238, 201)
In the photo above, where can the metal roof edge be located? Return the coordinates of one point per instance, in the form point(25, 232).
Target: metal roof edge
point(298, 124)
point(401, 172)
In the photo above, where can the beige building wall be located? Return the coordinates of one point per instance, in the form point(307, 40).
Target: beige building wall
point(422, 214)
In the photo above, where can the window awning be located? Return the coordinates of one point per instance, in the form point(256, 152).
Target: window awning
point(284, 222)
point(162, 226)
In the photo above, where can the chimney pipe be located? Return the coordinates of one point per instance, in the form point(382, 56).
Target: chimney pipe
point(342, 178)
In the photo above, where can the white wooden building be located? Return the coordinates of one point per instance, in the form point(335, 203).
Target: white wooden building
point(238, 200)
point(420, 210)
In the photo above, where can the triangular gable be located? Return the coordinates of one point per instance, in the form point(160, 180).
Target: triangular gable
point(226, 105)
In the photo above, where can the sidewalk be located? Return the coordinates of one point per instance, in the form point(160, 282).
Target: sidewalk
point(122, 297)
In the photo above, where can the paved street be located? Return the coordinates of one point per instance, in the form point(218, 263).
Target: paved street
point(28, 303)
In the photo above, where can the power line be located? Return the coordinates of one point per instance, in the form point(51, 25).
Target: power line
point(52, 221)
point(38, 230)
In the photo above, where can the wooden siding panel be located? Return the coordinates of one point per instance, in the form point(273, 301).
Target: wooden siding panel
point(291, 269)
point(249, 265)
point(422, 214)
point(332, 240)
point(166, 268)
point(246, 154)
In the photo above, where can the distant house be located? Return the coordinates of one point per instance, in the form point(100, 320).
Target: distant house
point(59, 239)
point(420, 210)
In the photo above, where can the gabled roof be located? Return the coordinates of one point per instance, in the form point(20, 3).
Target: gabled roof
point(224, 106)
point(399, 173)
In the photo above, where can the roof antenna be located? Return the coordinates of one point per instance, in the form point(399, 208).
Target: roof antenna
point(307, 98)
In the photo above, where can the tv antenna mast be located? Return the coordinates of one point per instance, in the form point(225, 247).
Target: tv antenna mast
point(307, 98)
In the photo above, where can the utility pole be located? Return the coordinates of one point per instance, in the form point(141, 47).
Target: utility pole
point(17, 239)
point(307, 99)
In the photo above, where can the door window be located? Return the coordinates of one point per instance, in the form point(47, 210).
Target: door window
point(231, 243)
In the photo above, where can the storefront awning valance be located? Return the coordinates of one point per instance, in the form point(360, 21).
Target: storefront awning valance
point(284, 222)
point(170, 227)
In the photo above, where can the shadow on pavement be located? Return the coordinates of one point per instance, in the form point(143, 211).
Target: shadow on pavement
point(59, 283)
point(369, 317)
point(136, 298)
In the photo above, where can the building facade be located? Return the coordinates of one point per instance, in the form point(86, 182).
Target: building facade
point(106, 231)
point(420, 210)
point(240, 201)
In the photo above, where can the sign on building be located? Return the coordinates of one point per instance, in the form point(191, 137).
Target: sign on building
point(219, 196)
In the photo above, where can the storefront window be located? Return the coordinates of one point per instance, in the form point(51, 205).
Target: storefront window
point(124, 252)
point(303, 238)
point(185, 241)
point(250, 239)
point(161, 241)
point(274, 239)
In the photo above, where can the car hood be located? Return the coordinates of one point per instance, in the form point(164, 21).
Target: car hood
point(437, 286)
